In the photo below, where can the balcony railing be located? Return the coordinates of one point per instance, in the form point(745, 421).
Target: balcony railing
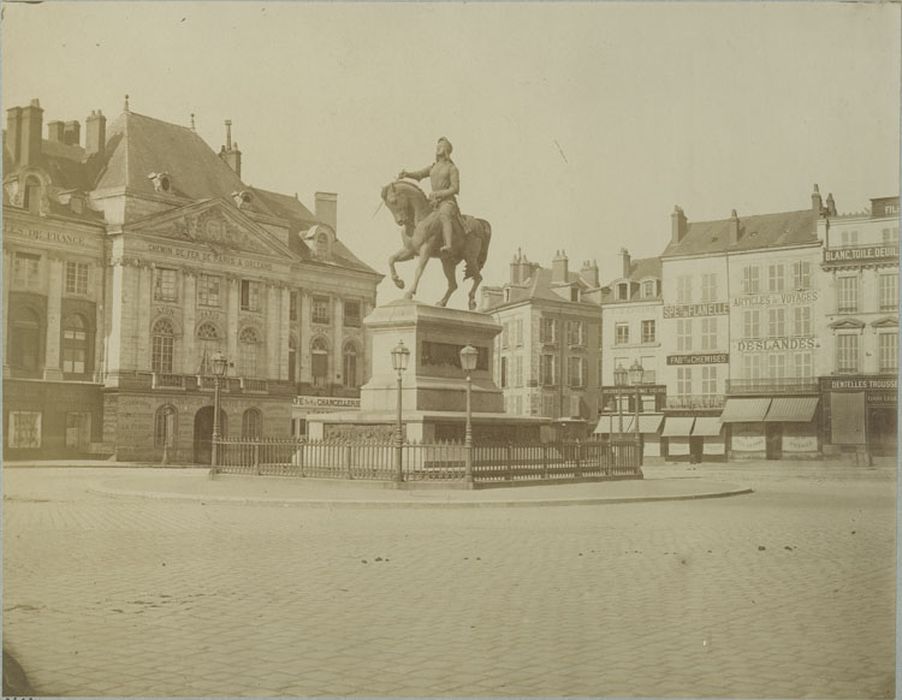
point(696, 401)
point(165, 380)
point(784, 385)
point(254, 385)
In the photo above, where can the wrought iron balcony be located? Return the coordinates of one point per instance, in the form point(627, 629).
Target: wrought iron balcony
point(784, 385)
point(695, 401)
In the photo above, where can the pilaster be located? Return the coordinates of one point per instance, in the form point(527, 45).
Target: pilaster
point(231, 329)
point(282, 355)
point(273, 332)
point(7, 278)
point(337, 364)
point(305, 373)
point(186, 341)
point(52, 366)
point(144, 299)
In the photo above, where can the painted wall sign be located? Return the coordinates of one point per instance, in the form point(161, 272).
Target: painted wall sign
point(324, 402)
point(884, 206)
point(803, 297)
point(857, 383)
point(644, 390)
point(715, 308)
point(207, 257)
point(871, 252)
point(70, 239)
point(759, 344)
point(711, 358)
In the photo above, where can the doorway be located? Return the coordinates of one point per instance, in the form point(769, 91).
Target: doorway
point(774, 437)
point(203, 433)
point(78, 431)
point(882, 426)
point(696, 449)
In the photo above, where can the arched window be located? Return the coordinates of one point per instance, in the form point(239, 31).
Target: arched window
point(164, 426)
point(319, 361)
point(32, 196)
point(247, 349)
point(292, 358)
point(25, 340)
point(163, 338)
point(75, 345)
point(349, 364)
point(208, 343)
point(252, 424)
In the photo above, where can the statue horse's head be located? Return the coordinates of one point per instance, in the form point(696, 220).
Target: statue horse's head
point(404, 200)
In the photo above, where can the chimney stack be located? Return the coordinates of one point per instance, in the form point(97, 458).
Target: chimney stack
point(589, 274)
point(230, 153)
point(95, 133)
point(559, 274)
point(515, 268)
point(72, 133)
point(326, 209)
point(678, 224)
point(56, 131)
point(734, 228)
point(831, 205)
point(14, 132)
point(625, 261)
point(816, 202)
point(31, 133)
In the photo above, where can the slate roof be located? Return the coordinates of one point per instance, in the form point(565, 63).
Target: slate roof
point(640, 269)
point(756, 231)
point(539, 286)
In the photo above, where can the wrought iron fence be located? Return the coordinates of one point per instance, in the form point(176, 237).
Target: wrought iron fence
point(492, 463)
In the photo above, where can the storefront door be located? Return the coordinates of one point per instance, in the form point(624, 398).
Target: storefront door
point(78, 431)
point(696, 449)
point(774, 437)
point(882, 426)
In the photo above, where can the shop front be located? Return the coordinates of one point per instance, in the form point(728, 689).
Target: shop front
point(304, 405)
point(609, 426)
point(860, 414)
point(782, 427)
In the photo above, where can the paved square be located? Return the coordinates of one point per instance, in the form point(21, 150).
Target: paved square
point(787, 592)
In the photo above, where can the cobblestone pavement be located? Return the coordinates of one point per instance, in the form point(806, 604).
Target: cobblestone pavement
point(787, 592)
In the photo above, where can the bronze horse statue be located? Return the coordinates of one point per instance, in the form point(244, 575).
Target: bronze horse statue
point(421, 237)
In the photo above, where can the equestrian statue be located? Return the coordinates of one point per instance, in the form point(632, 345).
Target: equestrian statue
point(433, 227)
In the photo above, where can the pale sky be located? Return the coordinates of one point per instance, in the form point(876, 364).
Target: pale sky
point(575, 126)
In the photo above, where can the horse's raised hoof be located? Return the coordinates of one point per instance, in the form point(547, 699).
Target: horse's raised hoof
point(408, 295)
point(399, 283)
point(472, 305)
point(441, 302)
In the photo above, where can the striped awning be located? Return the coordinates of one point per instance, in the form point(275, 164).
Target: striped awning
point(707, 426)
point(678, 426)
point(650, 424)
point(795, 409)
point(744, 410)
point(608, 425)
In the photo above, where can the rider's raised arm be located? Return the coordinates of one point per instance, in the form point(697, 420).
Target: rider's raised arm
point(419, 174)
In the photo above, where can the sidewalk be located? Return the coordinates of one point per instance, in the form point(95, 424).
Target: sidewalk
point(196, 485)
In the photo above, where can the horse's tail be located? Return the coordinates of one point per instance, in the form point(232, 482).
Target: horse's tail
point(485, 237)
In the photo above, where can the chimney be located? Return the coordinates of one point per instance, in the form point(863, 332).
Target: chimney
point(733, 235)
point(589, 274)
point(230, 153)
point(326, 208)
point(831, 205)
point(14, 132)
point(559, 268)
point(55, 131)
point(95, 133)
point(816, 203)
point(678, 226)
point(72, 133)
point(515, 268)
point(31, 134)
point(626, 262)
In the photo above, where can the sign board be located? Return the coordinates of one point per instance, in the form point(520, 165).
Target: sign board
point(325, 402)
point(715, 308)
point(806, 296)
point(711, 358)
point(870, 252)
point(808, 342)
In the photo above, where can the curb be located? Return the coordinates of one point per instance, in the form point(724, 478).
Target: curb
point(325, 503)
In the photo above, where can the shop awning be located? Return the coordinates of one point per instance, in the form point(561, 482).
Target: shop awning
point(707, 426)
point(744, 410)
point(678, 426)
point(650, 424)
point(608, 425)
point(793, 409)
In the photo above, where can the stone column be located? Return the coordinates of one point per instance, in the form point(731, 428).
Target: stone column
point(306, 334)
point(231, 329)
point(284, 332)
point(338, 318)
point(187, 361)
point(144, 300)
point(118, 305)
point(273, 331)
point(52, 366)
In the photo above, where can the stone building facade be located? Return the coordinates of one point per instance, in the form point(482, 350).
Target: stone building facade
point(133, 258)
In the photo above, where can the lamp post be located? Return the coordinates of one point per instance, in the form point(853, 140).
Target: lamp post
point(220, 365)
point(637, 372)
point(468, 357)
point(620, 378)
point(399, 357)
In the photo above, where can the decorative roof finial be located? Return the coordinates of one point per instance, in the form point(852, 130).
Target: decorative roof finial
point(228, 126)
point(192, 122)
point(125, 108)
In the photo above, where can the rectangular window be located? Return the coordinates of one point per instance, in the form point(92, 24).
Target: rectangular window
point(775, 277)
point(623, 292)
point(26, 270)
point(709, 286)
point(751, 367)
point(250, 295)
point(847, 295)
point(802, 320)
point(576, 367)
point(684, 381)
point(888, 351)
point(776, 323)
point(76, 278)
point(548, 330)
point(684, 334)
point(575, 332)
point(321, 310)
point(351, 314)
point(803, 366)
point(209, 288)
point(549, 370)
point(709, 380)
point(847, 353)
point(750, 279)
point(709, 333)
point(648, 331)
point(889, 292)
point(548, 405)
point(24, 429)
point(649, 289)
point(751, 322)
point(848, 238)
point(621, 333)
point(161, 353)
point(684, 289)
point(801, 275)
point(505, 334)
point(518, 370)
point(293, 305)
point(165, 284)
point(891, 236)
point(776, 365)
point(518, 331)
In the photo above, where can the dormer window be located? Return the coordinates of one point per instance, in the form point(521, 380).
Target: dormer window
point(649, 289)
point(161, 182)
point(623, 291)
point(322, 244)
point(574, 294)
point(32, 197)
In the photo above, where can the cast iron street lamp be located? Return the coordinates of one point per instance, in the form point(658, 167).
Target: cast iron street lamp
point(399, 357)
point(220, 365)
point(620, 378)
point(468, 357)
point(637, 373)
